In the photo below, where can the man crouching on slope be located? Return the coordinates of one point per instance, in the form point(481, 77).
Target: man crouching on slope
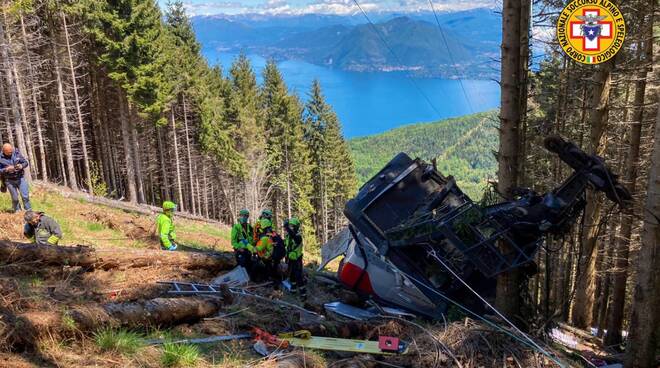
point(41, 229)
point(165, 226)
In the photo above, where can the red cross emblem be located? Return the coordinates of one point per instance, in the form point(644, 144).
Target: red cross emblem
point(591, 29)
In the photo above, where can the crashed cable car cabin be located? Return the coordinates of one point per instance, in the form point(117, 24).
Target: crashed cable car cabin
point(410, 225)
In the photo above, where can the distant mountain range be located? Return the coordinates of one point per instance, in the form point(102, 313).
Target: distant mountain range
point(466, 46)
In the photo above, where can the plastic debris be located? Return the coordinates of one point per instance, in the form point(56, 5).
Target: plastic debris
point(234, 278)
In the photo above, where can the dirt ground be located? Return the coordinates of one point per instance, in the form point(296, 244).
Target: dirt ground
point(30, 289)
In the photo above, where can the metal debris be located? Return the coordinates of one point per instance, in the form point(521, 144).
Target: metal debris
point(234, 278)
point(203, 340)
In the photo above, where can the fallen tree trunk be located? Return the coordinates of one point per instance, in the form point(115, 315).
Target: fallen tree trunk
point(31, 326)
point(110, 258)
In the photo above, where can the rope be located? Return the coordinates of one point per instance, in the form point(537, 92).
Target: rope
point(527, 341)
point(451, 57)
point(524, 335)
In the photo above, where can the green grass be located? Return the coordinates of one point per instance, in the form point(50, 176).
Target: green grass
point(80, 228)
point(68, 323)
point(212, 230)
point(179, 355)
point(95, 226)
point(121, 341)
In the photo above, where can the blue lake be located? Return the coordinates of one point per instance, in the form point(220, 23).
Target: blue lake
point(370, 103)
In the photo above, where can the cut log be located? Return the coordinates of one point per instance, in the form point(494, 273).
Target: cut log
point(27, 328)
point(106, 259)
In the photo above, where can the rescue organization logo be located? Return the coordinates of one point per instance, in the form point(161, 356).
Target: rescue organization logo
point(591, 31)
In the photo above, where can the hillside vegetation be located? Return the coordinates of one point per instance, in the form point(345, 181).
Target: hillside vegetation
point(463, 147)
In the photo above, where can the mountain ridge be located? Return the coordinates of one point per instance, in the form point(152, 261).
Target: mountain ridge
point(349, 43)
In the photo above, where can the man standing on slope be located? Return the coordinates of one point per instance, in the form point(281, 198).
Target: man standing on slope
point(12, 168)
point(41, 229)
point(293, 243)
point(165, 226)
point(241, 241)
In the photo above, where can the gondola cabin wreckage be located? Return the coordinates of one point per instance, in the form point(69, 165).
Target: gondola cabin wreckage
point(415, 240)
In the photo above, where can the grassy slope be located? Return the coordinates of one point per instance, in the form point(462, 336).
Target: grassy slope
point(463, 147)
point(93, 224)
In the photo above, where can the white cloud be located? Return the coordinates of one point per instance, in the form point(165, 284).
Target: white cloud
point(215, 7)
point(339, 7)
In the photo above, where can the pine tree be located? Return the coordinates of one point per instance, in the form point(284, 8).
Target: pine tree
point(331, 164)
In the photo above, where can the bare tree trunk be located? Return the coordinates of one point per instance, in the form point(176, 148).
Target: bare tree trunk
point(177, 163)
point(190, 162)
point(76, 99)
point(508, 298)
point(615, 318)
point(13, 88)
point(110, 259)
point(645, 319)
point(206, 192)
point(582, 316)
point(60, 157)
point(10, 131)
point(137, 161)
point(71, 170)
point(166, 179)
point(128, 149)
point(35, 105)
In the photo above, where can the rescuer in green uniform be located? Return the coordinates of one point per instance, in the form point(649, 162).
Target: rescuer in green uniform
point(165, 226)
point(41, 229)
point(270, 249)
point(293, 242)
point(242, 240)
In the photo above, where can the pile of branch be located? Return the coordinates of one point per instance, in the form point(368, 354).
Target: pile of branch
point(99, 258)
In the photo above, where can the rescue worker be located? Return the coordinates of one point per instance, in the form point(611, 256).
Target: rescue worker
point(165, 226)
point(242, 240)
point(293, 243)
point(270, 250)
point(258, 231)
point(41, 229)
point(12, 170)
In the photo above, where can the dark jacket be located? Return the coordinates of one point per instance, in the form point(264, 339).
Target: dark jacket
point(15, 159)
point(47, 231)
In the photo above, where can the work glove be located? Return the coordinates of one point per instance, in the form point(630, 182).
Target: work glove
point(173, 246)
point(53, 240)
point(292, 255)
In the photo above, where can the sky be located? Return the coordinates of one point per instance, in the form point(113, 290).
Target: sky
point(340, 7)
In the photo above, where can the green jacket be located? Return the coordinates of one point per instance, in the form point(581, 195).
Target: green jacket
point(165, 228)
point(241, 238)
point(47, 231)
point(294, 246)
